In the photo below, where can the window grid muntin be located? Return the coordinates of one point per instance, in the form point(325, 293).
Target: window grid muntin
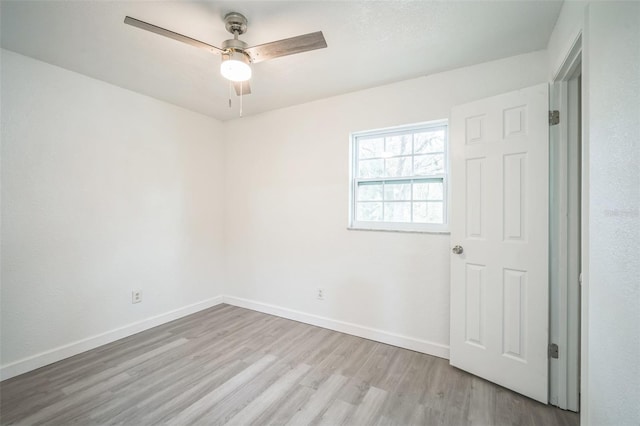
point(404, 132)
point(412, 200)
point(441, 178)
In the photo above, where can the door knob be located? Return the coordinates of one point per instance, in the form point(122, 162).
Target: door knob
point(457, 250)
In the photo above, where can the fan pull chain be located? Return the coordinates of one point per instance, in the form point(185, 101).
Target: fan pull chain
point(230, 94)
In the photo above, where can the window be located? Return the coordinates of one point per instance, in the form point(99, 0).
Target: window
point(399, 178)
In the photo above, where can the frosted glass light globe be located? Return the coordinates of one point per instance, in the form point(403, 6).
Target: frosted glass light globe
point(235, 67)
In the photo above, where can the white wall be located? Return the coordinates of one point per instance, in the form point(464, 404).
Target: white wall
point(103, 191)
point(287, 207)
point(612, 88)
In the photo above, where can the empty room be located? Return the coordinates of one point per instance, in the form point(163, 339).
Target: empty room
point(320, 212)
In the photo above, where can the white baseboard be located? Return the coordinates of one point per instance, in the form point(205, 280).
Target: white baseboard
point(71, 349)
point(412, 343)
point(49, 357)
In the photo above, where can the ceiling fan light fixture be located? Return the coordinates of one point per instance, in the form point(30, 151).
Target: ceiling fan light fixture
point(235, 66)
point(237, 56)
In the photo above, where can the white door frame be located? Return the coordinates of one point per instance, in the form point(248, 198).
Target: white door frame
point(565, 232)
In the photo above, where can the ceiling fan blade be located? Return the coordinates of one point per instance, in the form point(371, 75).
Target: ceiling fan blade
point(242, 87)
point(287, 46)
point(173, 35)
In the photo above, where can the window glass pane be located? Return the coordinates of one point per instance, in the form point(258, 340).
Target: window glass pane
point(428, 191)
point(369, 191)
point(398, 145)
point(428, 164)
point(432, 212)
point(420, 212)
point(397, 191)
point(397, 212)
point(398, 167)
point(369, 212)
point(368, 148)
point(370, 168)
point(431, 141)
point(435, 212)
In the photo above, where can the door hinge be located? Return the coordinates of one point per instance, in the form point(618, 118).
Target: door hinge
point(554, 117)
point(553, 350)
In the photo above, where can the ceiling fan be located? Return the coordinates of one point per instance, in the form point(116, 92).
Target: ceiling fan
point(236, 55)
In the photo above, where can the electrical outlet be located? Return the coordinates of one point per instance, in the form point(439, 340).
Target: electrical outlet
point(136, 296)
point(320, 293)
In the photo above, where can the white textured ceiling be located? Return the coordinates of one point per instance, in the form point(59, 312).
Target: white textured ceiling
point(370, 43)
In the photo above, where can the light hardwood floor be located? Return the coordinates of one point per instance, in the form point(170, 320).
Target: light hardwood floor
point(228, 365)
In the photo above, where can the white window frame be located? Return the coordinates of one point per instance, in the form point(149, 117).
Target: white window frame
point(354, 181)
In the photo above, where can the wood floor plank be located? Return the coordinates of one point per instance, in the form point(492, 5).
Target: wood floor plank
point(165, 403)
point(372, 372)
point(367, 411)
point(153, 393)
point(457, 397)
point(346, 359)
point(336, 414)
point(319, 401)
point(69, 405)
point(419, 416)
point(199, 407)
point(269, 397)
point(228, 365)
point(410, 388)
point(237, 400)
point(482, 403)
point(113, 371)
point(292, 403)
point(510, 409)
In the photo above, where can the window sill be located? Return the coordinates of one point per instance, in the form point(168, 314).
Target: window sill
point(409, 231)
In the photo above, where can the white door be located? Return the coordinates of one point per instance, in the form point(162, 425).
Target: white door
point(500, 281)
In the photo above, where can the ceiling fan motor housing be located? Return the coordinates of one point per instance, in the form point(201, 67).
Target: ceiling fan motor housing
point(234, 44)
point(235, 23)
